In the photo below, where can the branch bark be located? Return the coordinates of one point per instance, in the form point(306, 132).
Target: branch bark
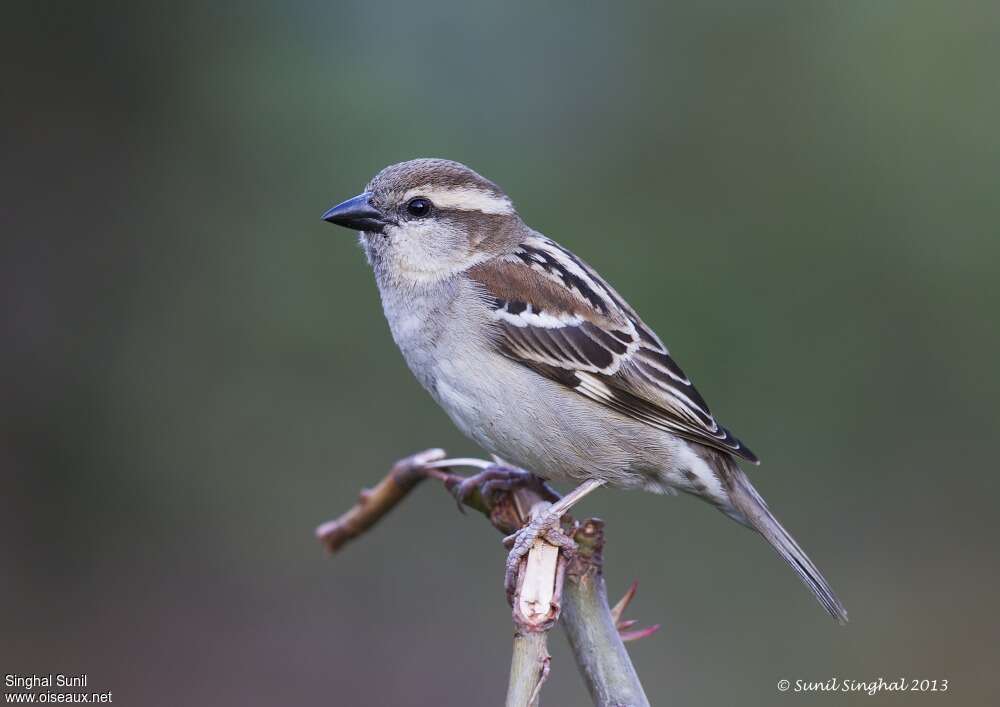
point(529, 667)
point(590, 627)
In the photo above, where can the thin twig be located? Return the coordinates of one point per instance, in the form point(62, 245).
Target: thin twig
point(374, 503)
point(404, 476)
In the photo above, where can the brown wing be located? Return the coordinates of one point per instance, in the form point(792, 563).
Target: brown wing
point(555, 315)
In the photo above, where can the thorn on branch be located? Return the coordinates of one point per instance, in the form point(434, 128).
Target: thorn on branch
point(623, 624)
point(618, 609)
point(637, 635)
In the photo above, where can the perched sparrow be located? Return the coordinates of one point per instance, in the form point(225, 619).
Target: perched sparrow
point(536, 358)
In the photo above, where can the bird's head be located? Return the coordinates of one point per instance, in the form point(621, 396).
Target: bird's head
point(427, 219)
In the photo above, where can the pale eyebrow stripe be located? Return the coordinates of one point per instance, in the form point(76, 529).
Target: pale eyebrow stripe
point(463, 199)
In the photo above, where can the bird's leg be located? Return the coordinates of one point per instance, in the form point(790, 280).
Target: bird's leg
point(496, 478)
point(545, 525)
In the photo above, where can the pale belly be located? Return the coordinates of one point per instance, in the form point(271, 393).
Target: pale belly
point(538, 425)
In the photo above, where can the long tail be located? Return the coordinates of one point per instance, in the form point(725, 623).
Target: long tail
point(755, 513)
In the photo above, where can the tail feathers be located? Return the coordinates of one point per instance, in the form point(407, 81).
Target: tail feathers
point(755, 513)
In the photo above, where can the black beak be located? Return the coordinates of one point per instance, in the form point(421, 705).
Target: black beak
point(357, 213)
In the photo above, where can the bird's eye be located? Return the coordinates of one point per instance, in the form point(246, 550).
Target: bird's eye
point(419, 207)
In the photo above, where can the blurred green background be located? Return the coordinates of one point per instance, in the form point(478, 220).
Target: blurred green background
point(800, 197)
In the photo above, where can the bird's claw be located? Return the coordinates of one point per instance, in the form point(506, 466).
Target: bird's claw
point(496, 478)
point(546, 526)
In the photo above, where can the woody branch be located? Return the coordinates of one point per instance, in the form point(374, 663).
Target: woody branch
point(552, 584)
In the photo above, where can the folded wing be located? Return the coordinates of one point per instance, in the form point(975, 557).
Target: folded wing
point(555, 315)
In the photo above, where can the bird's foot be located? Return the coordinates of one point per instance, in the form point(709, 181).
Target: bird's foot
point(496, 478)
point(546, 526)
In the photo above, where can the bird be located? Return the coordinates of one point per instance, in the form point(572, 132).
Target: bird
point(538, 360)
